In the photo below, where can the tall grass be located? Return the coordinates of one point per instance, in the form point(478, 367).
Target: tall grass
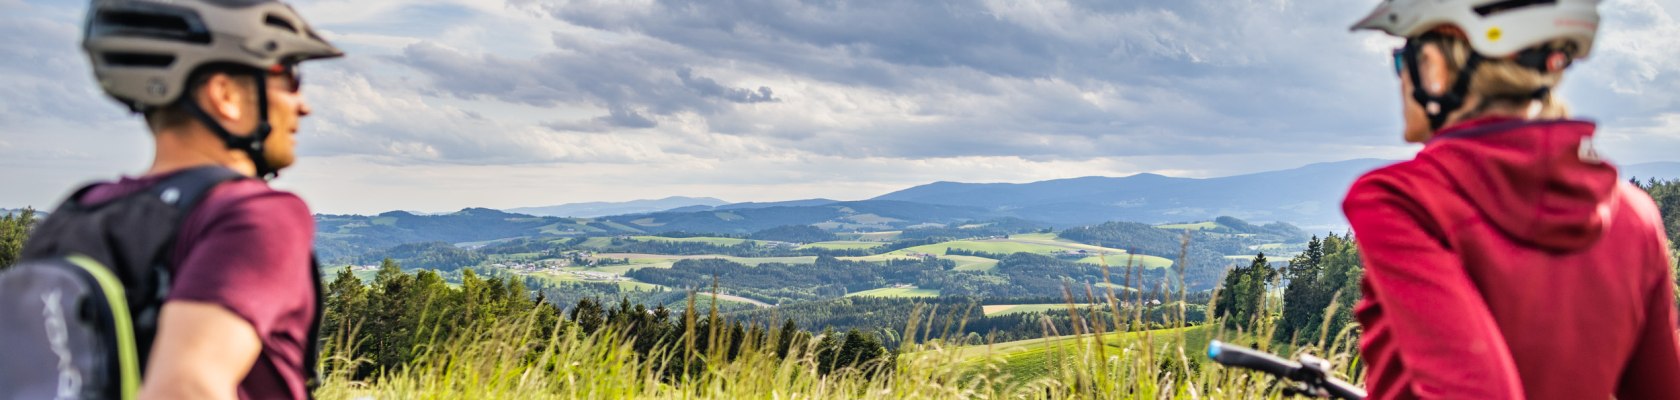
point(1108, 355)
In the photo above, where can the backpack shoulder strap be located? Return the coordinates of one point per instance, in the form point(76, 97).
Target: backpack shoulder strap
point(184, 190)
point(187, 188)
point(312, 347)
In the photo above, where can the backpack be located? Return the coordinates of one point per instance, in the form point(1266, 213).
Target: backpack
point(80, 308)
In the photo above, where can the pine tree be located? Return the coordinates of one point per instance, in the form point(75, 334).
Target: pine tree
point(785, 339)
point(1254, 285)
point(14, 231)
point(1301, 298)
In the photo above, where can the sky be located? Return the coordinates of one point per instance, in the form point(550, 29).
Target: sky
point(447, 104)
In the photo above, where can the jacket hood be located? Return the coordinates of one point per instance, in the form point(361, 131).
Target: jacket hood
point(1540, 182)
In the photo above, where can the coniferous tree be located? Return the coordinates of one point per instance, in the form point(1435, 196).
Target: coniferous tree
point(1303, 297)
point(14, 231)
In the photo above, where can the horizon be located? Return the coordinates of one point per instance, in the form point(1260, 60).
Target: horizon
point(502, 104)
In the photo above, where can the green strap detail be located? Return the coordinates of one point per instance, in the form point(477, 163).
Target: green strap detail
point(127, 356)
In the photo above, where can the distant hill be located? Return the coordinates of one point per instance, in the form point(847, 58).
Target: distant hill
point(790, 203)
point(1307, 196)
point(749, 205)
point(835, 216)
point(602, 209)
point(341, 236)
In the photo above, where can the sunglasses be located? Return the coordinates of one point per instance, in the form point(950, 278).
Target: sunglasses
point(1399, 60)
point(290, 73)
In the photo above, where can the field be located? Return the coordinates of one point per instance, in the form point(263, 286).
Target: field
point(597, 242)
point(842, 245)
point(1122, 260)
point(989, 246)
point(563, 277)
point(327, 273)
point(1006, 309)
point(639, 260)
point(1037, 244)
point(971, 263)
point(715, 241)
point(896, 292)
point(1038, 358)
point(496, 364)
point(884, 236)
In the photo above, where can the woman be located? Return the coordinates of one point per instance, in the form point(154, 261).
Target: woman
point(1507, 260)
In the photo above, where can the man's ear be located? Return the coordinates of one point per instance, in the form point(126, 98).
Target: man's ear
point(1432, 65)
point(223, 98)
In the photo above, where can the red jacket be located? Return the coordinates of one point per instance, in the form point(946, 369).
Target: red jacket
point(1507, 262)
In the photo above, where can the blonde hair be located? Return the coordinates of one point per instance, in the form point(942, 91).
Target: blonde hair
point(1500, 82)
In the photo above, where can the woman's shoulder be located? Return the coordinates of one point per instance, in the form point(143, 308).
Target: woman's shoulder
point(1403, 179)
point(1640, 209)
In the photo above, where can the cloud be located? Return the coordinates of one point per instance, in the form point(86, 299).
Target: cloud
point(710, 88)
point(1044, 80)
point(555, 100)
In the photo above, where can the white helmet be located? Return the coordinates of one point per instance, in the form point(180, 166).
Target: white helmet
point(144, 51)
point(1496, 28)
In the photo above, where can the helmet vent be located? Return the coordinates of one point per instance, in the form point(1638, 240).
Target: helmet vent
point(282, 23)
point(159, 23)
point(1508, 5)
point(139, 60)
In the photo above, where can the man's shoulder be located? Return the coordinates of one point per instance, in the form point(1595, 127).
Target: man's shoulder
point(250, 202)
point(253, 195)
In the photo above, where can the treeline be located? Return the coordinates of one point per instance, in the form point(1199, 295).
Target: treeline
point(778, 283)
point(1666, 194)
point(1016, 275)
point(569, 293)
point(428, 255)
point(1029, 275)
point(397, 319)
point(354, 235)
point(670, 247)
point(1204, 264)
point(387, 322)
point(988, 228)
point(794, 234)
point(14, 231)
point(1328, 271)
point(754, 249)
point(952, 251)
point(1281, 230)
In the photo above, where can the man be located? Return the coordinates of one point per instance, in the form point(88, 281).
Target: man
point(218, 85)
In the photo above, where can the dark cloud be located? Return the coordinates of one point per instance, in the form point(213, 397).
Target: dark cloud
point(710, 88)
point(1004, 78)
point(617, 118)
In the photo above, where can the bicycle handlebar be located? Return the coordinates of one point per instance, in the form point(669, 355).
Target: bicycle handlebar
point(1312, 372)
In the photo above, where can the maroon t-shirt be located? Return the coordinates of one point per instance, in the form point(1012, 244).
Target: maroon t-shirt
point(246, 247)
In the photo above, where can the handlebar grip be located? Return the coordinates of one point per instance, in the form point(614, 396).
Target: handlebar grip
point(1238, 356)
point(1343, 390)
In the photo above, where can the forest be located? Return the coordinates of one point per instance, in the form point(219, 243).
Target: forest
point(778, 283)
point(396, 320)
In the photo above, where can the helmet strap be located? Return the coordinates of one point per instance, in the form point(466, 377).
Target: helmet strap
point(1438, 107)
point(252, 142)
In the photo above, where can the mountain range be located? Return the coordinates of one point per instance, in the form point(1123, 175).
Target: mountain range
point(1309, 196)
point(602, 209)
